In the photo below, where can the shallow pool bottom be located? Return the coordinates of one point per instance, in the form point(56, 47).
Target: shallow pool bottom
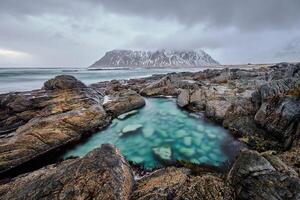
point(160, 133)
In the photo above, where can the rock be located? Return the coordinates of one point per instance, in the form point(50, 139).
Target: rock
point(280, 117)
point(253, 176)
point(148, 131)
point(63, 82)
point(123, 102)
point(101, 174)
point(57, 118)
point(174, 183)
point(185, 151)
point(163, 86)
point(187, 141)
point(280, 88)
point(128, 114)
point(163, 153)
point(217, 109)
point(180, 133)
point(183, 98)
point(130, 129)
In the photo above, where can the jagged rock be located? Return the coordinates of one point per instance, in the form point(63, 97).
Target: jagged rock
point(217, 109)
point(101, 174)
point(176, 183)
point(183, 98)
point(163, 86)
point(123, 102)
point(280, 88)
point(280, 117)
point(56, 118)
point(256, 176)
point(62, 82)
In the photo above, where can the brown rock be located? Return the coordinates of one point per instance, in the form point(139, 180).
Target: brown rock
point(176, 183)
point(101, 174)
point(122, 102)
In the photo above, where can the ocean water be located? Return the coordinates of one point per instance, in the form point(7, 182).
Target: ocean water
point(23, 79)
point(161, 132)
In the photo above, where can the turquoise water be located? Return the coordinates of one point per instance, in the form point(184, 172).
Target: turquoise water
point(161, 128)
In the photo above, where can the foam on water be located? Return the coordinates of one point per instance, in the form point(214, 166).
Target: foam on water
point(160, 127)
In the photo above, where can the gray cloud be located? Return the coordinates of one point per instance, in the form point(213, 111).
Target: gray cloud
point(75, 32)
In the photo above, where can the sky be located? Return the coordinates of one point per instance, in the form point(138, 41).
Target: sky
point(76, 33)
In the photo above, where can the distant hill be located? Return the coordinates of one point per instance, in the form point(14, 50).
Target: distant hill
point(159, 58)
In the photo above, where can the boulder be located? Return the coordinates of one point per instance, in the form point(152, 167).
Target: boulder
point(183, 98)
point(123, 102)
point(128, 114)
point(130, 129)
point(163, 86)
point(163, 153)
point(101, 174)
point(63, 82)
point(257, 176)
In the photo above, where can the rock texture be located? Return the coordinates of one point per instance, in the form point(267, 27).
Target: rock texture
point(159, 58)
point(34, 123)
point(178, 183)
point(256, 176)
point(101, 174)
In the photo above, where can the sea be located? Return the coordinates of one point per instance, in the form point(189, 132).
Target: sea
point(25, 79)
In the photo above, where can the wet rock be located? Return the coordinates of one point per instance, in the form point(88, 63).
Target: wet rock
point(123, 102)
point(63, 82)
point(177, 183)
point(128, 114)
point(101, 174)
point(130, 129)
point(163, 153)
point(148, 131)
point(256, 176)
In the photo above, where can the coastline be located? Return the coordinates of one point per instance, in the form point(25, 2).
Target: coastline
point(220, 93)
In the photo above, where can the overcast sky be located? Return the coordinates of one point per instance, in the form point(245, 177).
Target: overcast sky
point(75, 33)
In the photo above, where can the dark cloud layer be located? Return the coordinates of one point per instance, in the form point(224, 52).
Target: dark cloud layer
point(76, 32)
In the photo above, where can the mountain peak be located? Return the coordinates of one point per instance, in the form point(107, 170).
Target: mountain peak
point(158, 58)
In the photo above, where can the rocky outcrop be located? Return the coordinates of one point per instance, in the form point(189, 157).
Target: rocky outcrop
point(263, 176)
point(63, 82)
point(57, 116)
point(178, 183)
point(162, 87)
point(122, 102)
point(101, 174)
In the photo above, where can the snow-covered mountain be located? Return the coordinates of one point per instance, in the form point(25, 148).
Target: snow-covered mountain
point(159, 58)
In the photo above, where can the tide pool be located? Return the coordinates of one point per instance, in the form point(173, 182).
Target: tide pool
point(160, 133)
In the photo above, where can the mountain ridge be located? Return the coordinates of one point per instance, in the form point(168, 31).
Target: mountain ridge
point(158, 58)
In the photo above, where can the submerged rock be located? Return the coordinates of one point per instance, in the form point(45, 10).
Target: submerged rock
point(130, 129)
point(128, 114)
point(163, 153)
point(101, 174)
